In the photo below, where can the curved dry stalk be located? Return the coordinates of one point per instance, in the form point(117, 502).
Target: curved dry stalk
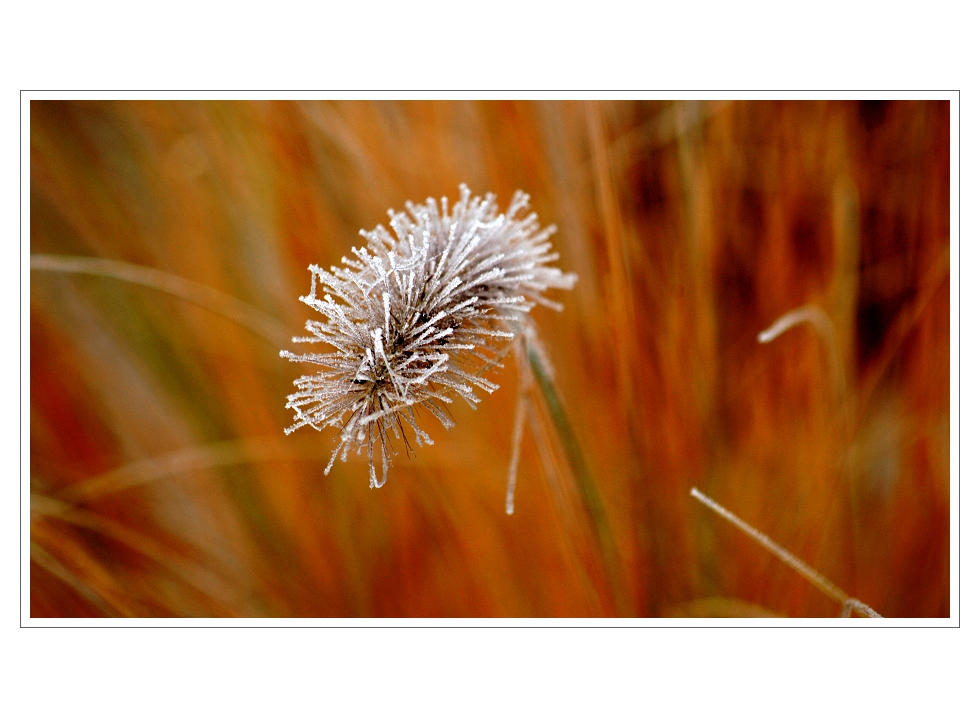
point(810, 313)
point(208, 456)
point(236, 310)
point(821, 321)
point(824, 584)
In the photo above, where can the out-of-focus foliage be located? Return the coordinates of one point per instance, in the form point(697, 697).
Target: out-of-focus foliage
point(162, 483)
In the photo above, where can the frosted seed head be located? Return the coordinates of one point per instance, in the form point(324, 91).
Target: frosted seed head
point(415, 317)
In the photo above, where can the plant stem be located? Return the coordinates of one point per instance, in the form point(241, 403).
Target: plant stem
point(237, 311)
point(587, 487)
point(826, 586)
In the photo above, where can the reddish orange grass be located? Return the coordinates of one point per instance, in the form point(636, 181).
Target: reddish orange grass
point(691, 226)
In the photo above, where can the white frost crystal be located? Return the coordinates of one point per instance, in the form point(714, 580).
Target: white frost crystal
point(416, 319)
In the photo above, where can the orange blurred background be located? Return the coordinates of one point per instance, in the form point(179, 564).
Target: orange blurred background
point(162, 483)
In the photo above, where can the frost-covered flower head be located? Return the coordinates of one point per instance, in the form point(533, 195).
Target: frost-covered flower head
point(415, 319)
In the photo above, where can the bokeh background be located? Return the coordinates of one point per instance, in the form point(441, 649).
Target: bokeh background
point(162, 483)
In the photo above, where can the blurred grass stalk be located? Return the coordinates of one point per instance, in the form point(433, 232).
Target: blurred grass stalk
point(588, 490)
point(237, 311)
